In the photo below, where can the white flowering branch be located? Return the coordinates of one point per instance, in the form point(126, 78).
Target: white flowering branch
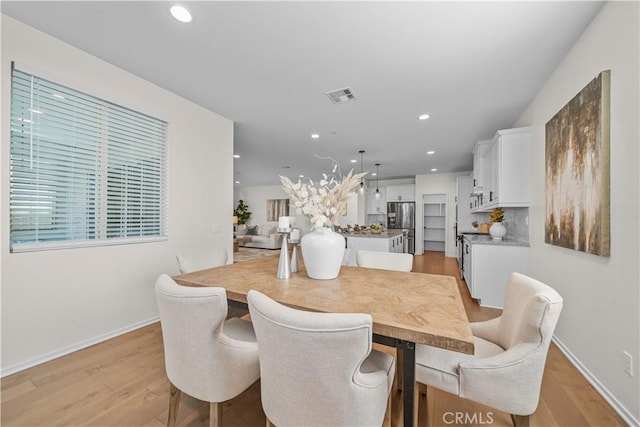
point(327, 202)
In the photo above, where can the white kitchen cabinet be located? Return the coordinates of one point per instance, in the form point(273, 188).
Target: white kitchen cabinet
point(478, 169)
point(466, 265)
point(396, 244)
point(376, 206)
point(401, 193)
point(507, 176)
point(464, 202)
point(488, 267)
point(480, 172)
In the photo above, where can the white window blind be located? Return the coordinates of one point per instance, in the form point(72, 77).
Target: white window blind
point(83, 171)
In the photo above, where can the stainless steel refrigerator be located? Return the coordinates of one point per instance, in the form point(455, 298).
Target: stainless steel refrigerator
point(402, 216)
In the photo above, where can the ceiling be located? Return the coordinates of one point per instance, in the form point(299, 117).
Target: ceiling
point(472, 66)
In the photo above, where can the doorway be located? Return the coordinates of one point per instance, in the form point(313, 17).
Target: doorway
point(434, 210)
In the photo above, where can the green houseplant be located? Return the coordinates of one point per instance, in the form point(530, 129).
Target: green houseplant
point(242, 212)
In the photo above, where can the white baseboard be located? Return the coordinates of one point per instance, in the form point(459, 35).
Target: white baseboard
point(79, 346)
point(600, 388)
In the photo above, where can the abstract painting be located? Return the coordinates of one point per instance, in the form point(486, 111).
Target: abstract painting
point(577, 171)
point(277, 208)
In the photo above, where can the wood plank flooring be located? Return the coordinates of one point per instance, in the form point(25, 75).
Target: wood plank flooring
point(122, 382)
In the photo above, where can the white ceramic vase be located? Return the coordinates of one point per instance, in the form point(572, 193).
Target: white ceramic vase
point(322, 252)
point(497, 231)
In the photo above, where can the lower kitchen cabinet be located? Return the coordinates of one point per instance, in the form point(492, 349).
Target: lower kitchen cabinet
point(488, 267)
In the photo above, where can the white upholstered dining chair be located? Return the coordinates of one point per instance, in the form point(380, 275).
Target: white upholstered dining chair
point(195, 261)
point(205, 356)
point(384, 260)
point(506, 370)
point(318, 369)
point(387, 261)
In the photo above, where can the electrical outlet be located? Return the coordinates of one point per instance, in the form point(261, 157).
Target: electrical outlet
point(215, 228)
point(628, 363)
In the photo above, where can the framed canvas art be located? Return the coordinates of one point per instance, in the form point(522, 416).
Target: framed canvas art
point(277, 208)
point(577, 171)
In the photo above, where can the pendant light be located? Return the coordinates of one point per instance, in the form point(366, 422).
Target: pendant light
point(377, 193)
point(361, 188)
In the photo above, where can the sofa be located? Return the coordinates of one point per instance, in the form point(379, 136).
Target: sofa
point(263, 236)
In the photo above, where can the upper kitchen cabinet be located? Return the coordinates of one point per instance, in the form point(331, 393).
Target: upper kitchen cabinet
point(376, 206)
point(401, 193)
point(478, 165)
point(480, 172)
point(506, 170)
point(464, 203)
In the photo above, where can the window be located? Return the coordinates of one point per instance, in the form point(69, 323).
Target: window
point(83, 171)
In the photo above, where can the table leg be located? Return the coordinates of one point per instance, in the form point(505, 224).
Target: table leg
point(408, 350)
point(408, 379)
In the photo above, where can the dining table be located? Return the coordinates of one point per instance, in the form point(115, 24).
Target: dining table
point(406, 308)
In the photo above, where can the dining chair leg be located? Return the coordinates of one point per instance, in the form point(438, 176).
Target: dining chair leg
point(174, 401)
point(520, 420)
point(269, 423)
point(422, 388)
point(215, 414)
point(398, 378)
point(387, 414)
point(416, 402)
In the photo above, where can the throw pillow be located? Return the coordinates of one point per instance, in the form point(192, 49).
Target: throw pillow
point(252, 231)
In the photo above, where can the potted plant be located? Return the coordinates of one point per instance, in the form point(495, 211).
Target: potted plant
point(242, 213)
point(497, 215)
point(497, 229)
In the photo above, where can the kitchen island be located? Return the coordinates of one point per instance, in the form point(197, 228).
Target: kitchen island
point(387, 241)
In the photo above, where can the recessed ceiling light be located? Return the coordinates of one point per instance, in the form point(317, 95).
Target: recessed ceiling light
point(374, 174)
point(300, 176)
point(434, 170)
point(423, 117)
point(237, 182)
point(429, 153)
point(180, 13)
point(353, 161)
point(236, 156)
point(315, 136)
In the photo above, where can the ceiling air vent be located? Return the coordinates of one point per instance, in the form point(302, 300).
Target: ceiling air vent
point(340, 96)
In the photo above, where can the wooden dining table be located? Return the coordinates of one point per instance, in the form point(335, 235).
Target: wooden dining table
point(406, 308)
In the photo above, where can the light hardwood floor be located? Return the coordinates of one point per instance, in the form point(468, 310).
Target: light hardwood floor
point(122, 382)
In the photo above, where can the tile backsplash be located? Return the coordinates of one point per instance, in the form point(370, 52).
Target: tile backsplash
point(516, 220)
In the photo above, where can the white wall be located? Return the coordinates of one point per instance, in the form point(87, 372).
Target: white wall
point(441, 183)
point(601, 316)
point(256, 198)
point(56, 301)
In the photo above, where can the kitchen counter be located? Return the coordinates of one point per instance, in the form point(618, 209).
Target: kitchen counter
point(471, 232)
point(485, 239)
point(387, 241)
point(387, 234)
